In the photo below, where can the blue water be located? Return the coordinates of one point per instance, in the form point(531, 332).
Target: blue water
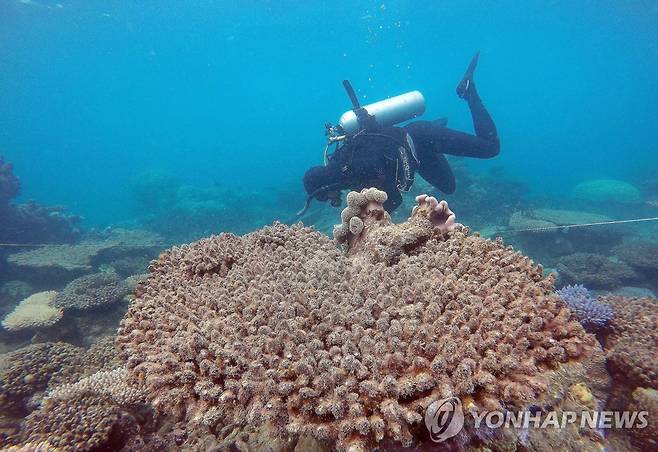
point(94, 93)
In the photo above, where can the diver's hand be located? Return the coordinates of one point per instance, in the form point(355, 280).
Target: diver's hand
point(465, 86)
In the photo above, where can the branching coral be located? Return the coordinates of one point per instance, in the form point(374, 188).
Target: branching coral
point(279, 327)
point(594, 316)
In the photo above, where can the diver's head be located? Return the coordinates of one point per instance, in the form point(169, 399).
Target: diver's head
point(321, 184)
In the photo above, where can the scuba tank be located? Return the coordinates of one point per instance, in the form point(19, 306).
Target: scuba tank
point(386, 112)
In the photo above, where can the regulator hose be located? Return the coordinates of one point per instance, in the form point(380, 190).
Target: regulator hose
point(313, 194)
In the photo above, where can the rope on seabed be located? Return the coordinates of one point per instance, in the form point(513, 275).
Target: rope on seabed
point(509, 231)
point(92, 245)
point(599, 223)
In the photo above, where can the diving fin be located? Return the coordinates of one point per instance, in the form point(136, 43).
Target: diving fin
point(465, 86)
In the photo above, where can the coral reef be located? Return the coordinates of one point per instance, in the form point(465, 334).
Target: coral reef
point(594, 316)
point(631, 347)
point(442, 218)
point(35, 312)
point(642, 257)
point(363, 206)
point(280, 328)
point(539, 233)
point(481, 199)
point(11, 293)
point(132, 281)
point(41, 446)
point(30, 369)
point(107, 383)
point(646, 399)
point(91, 291)
point(519, 221)
point(101, 411)
point(53, 264)
point(9, 183)
point(607, 191)
point(183, 212)
point(154, 191)
point(131, 265)
point(83, 423)
point(68, 391)
point(102, 355)
point(14, 291)
point(594, 270)
point(561, 217)
point(30, 222)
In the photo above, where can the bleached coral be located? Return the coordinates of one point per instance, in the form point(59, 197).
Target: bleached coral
point(279, 327)
point(40, 446)
point(35, 312)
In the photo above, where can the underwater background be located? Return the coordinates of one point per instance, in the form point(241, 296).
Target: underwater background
point(130, 127)
point(96, 94)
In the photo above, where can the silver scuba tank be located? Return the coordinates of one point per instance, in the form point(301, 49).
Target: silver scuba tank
point(387, 112)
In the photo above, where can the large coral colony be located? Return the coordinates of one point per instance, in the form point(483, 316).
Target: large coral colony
point(283, 339)
point(279, 333)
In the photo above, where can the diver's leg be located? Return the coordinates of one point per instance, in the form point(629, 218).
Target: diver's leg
point(433, 138)
point(434, 135)
point(482, 122)
point(436, 170)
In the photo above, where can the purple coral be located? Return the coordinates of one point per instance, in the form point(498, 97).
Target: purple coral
point(593, 315)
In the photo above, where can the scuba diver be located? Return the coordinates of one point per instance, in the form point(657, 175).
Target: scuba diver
point(372, 152)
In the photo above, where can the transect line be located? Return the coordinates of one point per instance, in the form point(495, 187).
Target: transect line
point(38, 245)
point(163, 245)
point(600, 223)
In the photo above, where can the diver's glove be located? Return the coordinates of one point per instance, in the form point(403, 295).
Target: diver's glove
point(466, 87)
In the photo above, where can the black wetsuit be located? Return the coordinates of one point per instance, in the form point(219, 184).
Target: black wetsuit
point(372, 159)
